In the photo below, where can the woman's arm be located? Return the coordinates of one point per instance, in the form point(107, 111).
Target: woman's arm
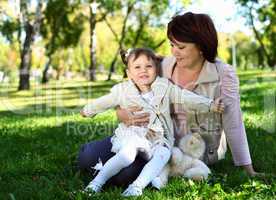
point(128, 116)
point(232, 121)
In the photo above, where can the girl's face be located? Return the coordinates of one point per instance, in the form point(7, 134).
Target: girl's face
point(142, 72)
point(187, 55)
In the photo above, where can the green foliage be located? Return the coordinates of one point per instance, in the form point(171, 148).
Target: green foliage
point(223, 51)
point(41, 133)
point(8, 28)
point(106, 44)
point(246, 51)
point(108, 5)
point(9, 57)
point(135, 25)
point(262, 12)
point(62, 25)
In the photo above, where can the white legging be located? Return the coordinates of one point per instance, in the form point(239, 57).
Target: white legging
point(154, 167)
point(125, 157)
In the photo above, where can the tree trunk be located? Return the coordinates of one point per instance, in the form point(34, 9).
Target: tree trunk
point(24, 72)
point(123, 33)
point(142, 21)
point(45, 76)
point(245, 63)
point(113, 63)
point(26, 52)
point(159, 44)
point(261, 59)
point(92, 68)
point(259, 38)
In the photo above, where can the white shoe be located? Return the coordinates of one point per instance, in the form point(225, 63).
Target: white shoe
point(157, 183)
point(133, 190)
point(93, 187)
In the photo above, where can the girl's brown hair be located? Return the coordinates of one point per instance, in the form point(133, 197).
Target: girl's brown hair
point(125, 55)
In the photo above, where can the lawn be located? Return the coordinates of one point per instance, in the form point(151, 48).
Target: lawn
point(41, 133)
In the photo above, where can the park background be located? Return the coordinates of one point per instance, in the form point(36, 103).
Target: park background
point(56, 55)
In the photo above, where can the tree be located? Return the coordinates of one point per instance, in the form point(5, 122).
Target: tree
point(9, 54)
point(31, 29)
point(120, 41)
point(26, 21)
point(104, 7)
point(262, 11)
point(135, 20)
point(246, 50)
point(62, 27)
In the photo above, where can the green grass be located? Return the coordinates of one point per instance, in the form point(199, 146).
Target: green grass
point(41, 133)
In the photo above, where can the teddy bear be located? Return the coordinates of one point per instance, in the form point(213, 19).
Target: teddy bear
point(185, 161)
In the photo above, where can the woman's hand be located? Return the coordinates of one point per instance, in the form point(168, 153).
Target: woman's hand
point(251, 172)
point(131, 116)
point(217, 106)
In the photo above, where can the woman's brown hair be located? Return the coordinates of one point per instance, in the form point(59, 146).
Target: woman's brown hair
point(195, 28)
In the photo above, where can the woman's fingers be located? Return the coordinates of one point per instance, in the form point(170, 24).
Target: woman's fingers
point(134, 109)
point(137, 117)
point(140, 119)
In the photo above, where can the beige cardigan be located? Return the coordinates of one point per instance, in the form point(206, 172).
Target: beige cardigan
point(215, 80)
point(126, 94)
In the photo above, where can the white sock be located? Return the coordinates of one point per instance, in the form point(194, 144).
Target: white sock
point(154, 167)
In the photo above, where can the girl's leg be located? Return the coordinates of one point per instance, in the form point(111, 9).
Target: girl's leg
point(90, 153)
point(114, 165)
point(151, 170)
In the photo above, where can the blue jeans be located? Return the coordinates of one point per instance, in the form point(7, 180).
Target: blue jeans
point(91, 152)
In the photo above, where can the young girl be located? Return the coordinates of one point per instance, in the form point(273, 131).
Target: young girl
point(154, 141)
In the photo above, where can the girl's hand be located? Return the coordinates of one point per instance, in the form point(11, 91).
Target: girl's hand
point(217, 106)
point(130, 116)
point(151, 135)
point(82, 113)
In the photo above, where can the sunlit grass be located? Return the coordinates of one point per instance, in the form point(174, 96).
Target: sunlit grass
point(41, 133)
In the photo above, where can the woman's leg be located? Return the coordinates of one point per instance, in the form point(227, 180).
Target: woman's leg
point(91, 152)
point(151, 170)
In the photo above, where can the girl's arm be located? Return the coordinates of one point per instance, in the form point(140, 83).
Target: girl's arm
point(101, 104)
point(193, 101)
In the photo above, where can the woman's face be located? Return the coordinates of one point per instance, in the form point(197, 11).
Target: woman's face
point(186, 54)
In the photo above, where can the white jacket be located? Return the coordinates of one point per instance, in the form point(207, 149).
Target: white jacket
point(126, 94)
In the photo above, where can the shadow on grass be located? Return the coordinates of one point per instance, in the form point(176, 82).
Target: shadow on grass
point(41, 110)
point(89, 88)
point(44, 162)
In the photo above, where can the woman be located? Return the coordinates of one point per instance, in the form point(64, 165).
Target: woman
point(193, 66)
